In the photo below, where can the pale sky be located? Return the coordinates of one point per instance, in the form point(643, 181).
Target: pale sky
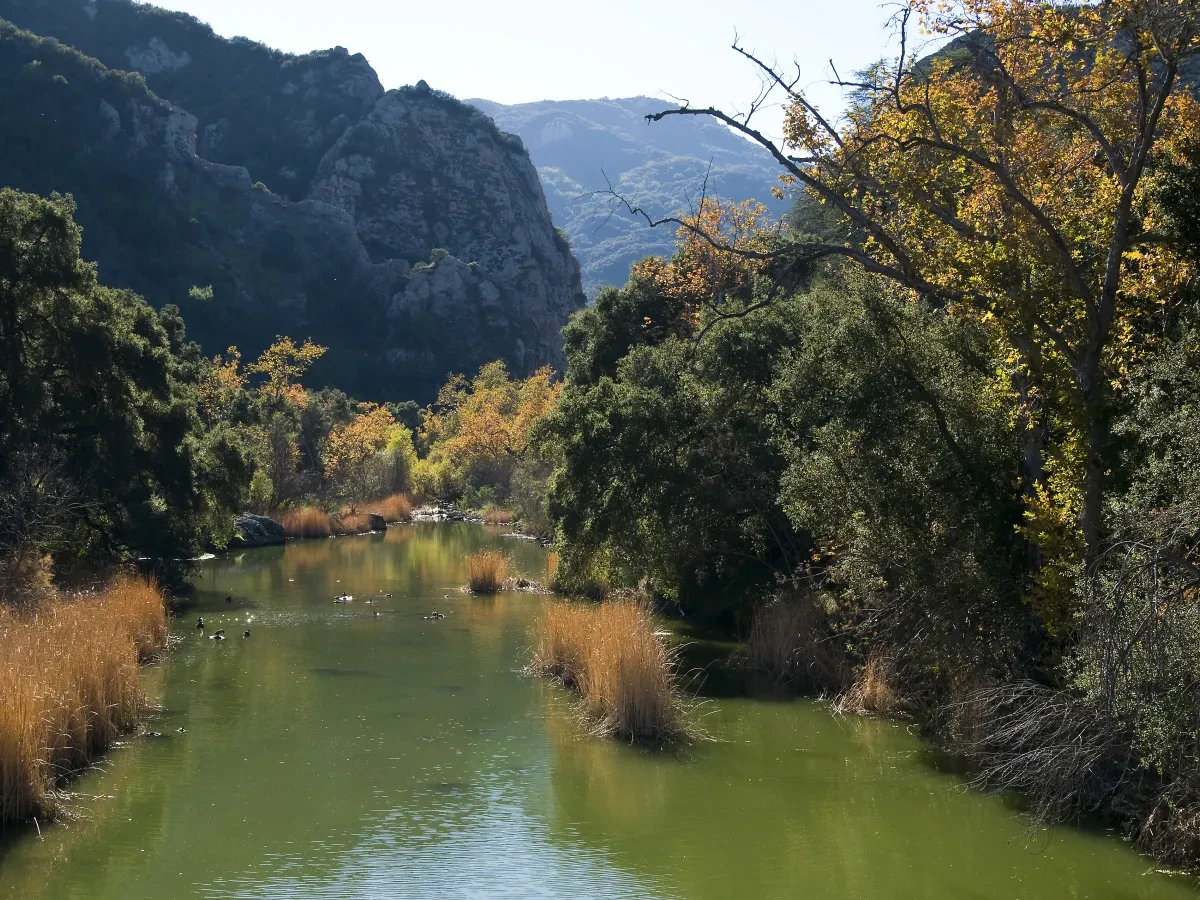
point(526, 50)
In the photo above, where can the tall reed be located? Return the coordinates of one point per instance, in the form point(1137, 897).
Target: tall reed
point(396, 508)
point(623, 671)
point(306, 522)
point(495, 515)
point(350, 521)
point(486, 571)
point(789, 640)
point(69, 684)
point(872, 692)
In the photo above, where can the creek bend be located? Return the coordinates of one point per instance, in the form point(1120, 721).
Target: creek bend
point(361, 750)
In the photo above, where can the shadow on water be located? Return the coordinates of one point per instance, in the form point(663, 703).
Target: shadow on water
point(709, 670)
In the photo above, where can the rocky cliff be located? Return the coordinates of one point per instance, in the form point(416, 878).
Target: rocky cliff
point(400, 228)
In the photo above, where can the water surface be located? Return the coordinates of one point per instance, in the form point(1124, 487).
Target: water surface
point(337, 753)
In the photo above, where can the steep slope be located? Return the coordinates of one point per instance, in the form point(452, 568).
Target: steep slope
point(419, 244)
point(575, 144)
point(273, 113)
point(425, 175)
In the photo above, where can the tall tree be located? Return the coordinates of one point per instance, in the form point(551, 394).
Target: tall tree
point(1011, 178)
point(94, 379)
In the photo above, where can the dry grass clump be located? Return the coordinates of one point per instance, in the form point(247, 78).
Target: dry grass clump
point(69, 685)
point(789, 639)
point(351, 521)
point(306, 522)
point(486, 571)
point(623, 671)
point(494, 515)
point(872, 693)
point(396, 508)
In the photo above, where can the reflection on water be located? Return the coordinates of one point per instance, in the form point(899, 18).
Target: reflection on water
point(361, 750)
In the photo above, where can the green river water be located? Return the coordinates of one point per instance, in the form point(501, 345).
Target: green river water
point(341, 754)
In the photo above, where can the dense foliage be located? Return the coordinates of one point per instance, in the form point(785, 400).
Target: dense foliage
point(101, 444)
point(945, 413)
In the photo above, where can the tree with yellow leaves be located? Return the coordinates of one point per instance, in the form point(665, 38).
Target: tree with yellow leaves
point(1010, 177)
point(490, 419)
point(707, 280)
point(282, 364)
point(352, 446)
point(221, 383)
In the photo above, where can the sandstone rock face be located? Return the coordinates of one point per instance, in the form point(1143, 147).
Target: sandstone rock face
point(155, 57)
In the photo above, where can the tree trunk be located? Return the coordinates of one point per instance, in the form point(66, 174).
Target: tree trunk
point(1095, 443)
point(1033, 458)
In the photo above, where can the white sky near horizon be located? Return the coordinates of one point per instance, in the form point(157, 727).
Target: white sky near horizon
point(531, 50)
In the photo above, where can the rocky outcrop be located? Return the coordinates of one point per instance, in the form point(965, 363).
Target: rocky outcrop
point(256, 531)
point(433, 182)
point(403, 230)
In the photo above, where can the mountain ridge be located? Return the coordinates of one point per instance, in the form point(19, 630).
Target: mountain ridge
point(583, 149)
point(418, 244)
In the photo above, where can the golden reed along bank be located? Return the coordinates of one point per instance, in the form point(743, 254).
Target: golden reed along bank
point(70, 684)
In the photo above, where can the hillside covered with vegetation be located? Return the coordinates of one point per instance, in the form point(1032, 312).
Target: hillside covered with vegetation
point(267, 194)
point(585, 149)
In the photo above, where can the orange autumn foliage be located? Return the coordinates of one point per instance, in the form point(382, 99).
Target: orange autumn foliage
point(492, 417)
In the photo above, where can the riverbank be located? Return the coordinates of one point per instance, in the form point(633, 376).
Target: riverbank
point(1059, 751)
point(70, 685)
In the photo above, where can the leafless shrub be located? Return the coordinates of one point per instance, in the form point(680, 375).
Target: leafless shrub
point(36, 503)
point(1066, 756)
point(1138, 663)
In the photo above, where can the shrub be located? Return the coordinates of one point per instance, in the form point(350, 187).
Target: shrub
point(486, 571)
point(306, 522)
point(623, 671)
point(26, 576)
point(351, 521)
point(69, 685)
point(872, 692)
point(435, 479)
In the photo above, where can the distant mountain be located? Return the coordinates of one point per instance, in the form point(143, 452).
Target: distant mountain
point(661, 166)
point(400, 228)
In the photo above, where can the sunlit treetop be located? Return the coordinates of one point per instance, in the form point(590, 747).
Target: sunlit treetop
point(283, 363)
